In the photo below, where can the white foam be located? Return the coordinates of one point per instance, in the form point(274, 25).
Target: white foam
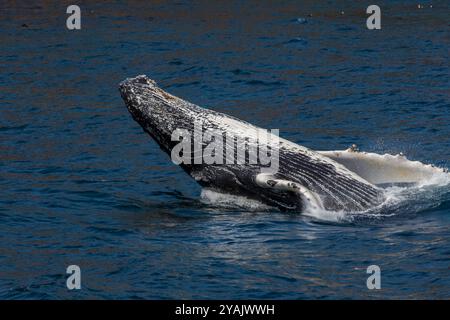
point(229, 201)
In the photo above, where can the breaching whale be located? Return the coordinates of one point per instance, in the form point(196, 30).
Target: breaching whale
point(303, 176)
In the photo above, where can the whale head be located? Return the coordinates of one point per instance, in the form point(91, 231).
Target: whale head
point(160, 114)
point(151, 107)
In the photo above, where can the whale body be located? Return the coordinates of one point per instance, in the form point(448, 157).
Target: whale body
point(303, 177)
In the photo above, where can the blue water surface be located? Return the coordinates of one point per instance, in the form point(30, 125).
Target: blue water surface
point(81, 183)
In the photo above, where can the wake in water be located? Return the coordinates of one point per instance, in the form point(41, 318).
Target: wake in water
point(409, 186)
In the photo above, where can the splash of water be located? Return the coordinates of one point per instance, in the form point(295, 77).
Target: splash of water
point(409, 186)
point(229, 201)
point(413, 187)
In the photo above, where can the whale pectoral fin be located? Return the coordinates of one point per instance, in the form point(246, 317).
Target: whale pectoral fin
point(308, 197)
point(381, 169)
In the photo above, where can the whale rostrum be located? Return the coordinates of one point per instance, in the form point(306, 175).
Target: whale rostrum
point(302, 178)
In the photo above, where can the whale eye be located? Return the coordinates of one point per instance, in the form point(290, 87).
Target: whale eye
point(271, 182)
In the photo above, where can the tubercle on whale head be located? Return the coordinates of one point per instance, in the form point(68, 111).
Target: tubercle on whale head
point(134, 90)
point(138, 94)
point(130, 89)
point(144, 98)
point(158, 112)
point(140, 79)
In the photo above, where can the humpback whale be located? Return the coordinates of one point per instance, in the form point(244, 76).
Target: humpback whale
point(304, 177)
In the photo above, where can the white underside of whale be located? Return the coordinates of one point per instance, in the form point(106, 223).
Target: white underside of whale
point(381, 169)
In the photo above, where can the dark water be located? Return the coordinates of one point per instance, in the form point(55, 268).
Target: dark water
point(82, 184)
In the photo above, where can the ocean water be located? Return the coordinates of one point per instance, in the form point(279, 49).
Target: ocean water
point(81, 183)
